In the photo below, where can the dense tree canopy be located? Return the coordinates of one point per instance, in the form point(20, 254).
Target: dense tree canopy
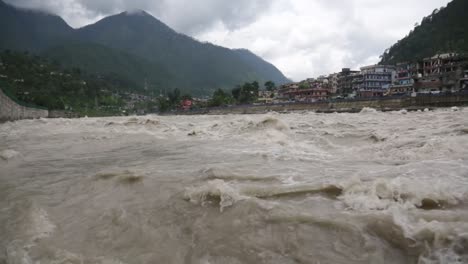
point(443, 31)
point(270, 86)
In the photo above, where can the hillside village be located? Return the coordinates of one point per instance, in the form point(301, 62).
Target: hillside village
point(440, 74)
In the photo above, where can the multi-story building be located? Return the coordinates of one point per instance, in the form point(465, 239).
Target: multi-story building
point(266, 97)
point(345, 81)
point(285, 91)
point(310, 90)
point(464, 82)
point(403, 74)
point(442, 63)
point(376, 80)
point(321, 82)
point(440, 73)
point(404, 80)
point(333, 79)
point(357, 82)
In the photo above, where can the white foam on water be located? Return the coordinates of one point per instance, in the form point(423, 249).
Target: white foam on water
point(41, 226)
point(401, 192)
point(215, 191)
point(368, 110)
point(8, 154)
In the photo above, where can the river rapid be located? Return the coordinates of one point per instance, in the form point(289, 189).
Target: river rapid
point(276, 188)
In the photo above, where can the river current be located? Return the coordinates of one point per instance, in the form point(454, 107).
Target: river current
point(370, 187)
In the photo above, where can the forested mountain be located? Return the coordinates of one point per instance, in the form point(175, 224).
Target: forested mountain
point(194, 64)
point(137, 47)
point(445, 30)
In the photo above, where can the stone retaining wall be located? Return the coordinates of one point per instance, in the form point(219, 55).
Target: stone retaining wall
point(384, 104)
point(10, 110)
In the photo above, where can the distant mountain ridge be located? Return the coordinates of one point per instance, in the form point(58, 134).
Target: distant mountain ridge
point(445, 30)
point(137, 46)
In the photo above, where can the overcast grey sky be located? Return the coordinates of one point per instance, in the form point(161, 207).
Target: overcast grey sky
point(303, 38)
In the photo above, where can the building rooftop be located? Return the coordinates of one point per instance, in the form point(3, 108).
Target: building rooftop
point(377, 66)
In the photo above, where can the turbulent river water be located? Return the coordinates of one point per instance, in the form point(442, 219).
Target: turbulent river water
point(277, 188)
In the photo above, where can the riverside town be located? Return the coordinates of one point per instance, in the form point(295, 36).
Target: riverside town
point(438, 75)
point(440, 80)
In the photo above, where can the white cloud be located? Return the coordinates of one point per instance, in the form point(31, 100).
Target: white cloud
point(308, 38)
point(303, 38)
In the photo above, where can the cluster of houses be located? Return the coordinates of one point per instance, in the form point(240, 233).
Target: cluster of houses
point(442, 73)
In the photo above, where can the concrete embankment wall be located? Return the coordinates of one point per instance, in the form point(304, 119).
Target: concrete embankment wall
point(10, 110)
point(348, 106)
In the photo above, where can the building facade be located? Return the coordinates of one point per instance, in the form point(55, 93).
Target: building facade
point(333, 79)
point(404, 80)
point(310, 90)
point(440, 73)
point(376, 80)
point(464, 82)
point(345, 81)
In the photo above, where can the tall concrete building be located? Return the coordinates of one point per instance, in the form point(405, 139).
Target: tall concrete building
point(440, 73)
point(345, 81)
point(404, 79)
point(333, 78)
point(376, 80)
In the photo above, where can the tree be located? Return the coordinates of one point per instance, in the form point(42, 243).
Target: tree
point(163, 104)
point(220, 98)
point(249, 93)
point(303, 85)
point(187, 97)
point(236, 92)
point(255, 85)
point(270, 86)
point(174, 97)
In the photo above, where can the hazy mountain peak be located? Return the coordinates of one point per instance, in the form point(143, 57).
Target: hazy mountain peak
point(135, 12)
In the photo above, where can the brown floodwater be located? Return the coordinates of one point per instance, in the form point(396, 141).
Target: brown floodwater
point(276, 188)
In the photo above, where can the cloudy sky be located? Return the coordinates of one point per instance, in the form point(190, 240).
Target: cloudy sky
point(303, 38)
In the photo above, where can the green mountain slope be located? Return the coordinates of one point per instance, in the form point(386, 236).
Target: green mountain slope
point(137, 47)
point(445, 30)
point(98, 59)
point(262, 67)
point(197, 64)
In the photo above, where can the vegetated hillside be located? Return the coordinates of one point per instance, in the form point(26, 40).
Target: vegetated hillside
point(32, 79)
point(98, 59)
point(264, 68)
point(136, 46)
point(445, 30)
